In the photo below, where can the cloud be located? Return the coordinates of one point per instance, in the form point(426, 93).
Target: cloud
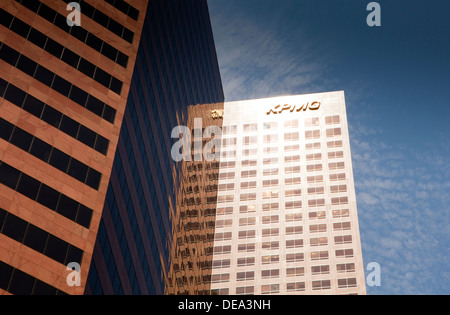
point(403, 207)
point(257, 61)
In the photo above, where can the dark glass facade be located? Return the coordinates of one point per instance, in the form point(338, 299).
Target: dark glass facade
point(176, 68)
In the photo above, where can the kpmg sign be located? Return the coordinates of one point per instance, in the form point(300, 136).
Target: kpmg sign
point(279, 109)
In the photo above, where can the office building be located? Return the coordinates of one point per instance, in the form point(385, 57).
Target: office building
point(150, 240)
point(63, 92)
point(286, 219)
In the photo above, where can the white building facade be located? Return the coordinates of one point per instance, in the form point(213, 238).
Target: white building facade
point(287, 219)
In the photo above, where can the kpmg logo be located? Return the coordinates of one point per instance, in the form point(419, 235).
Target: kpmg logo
point(279, 109)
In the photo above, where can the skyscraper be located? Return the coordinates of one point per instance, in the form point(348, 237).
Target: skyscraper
point(286, 219)
point(63, 94)
point(145, 245)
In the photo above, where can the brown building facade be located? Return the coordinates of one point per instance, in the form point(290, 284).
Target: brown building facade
point(63, 96)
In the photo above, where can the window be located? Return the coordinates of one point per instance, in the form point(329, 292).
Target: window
point(272, 273)
point(227, 130)
point(247, 261)
point(336, 166)
point(272, 160)
point(270, 150)
point(314, 168)
point(338, 188)
point(337, 177)
point(246, 275)
point(270, 138)
point(347, 283)
point(289, 148)
point(313, 146)
point(316, 202)
point(312, 134)
point(224, 223)
point(250, 127)
point(317, 215)
point(218, 250)
point(270, 183)
point(270, 259)
point(291, 136)
point(270, 288)
point(335, 155)
point(21, 139)
point(247, 152)
point(294, 272)
point(28, 186)
point(246, 248)
point(246, 174)
point(291, 205)
point(314, 157)
point(270, 194)
point(250, 290)
point(270, 171)
point(293, 230)
point(226, 236)
point(293, 193)
point(350, 267)
point(224, 263)
point(291, 124)
point(223, 211)
point(292, 159)
point(9, 176)
point(315, 179)
point(294, 243)
point(330, 120)
point(247, 221)
point(247, 197)
point(292, 169)
point(246, 163)
point(247, 209)
point(229, 142)
point(316, 228)
point(270, 232)
point(36, 238)
point(344, 253)
point(227, 175)
point(311, 121)
point(225, 277)
point(250, 140)
point(295, 257)
point(319, 241)
point(334, 144)
point(334, 132)
point(226, 187)
point(341, 213)
point(293, 181)
point(342, 239)
point(230, 164)
point(270, 245)
point(247, 234)
point(321, 285)
point(270, 125)
point(14, 227)
point(270, 206)
point(295, 286)
point(315, 191)
point(320, 270)
point(268, 219)
point(339, 201)
point(293, 217)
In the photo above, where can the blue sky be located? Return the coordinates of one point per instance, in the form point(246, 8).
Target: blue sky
point(396, 79)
